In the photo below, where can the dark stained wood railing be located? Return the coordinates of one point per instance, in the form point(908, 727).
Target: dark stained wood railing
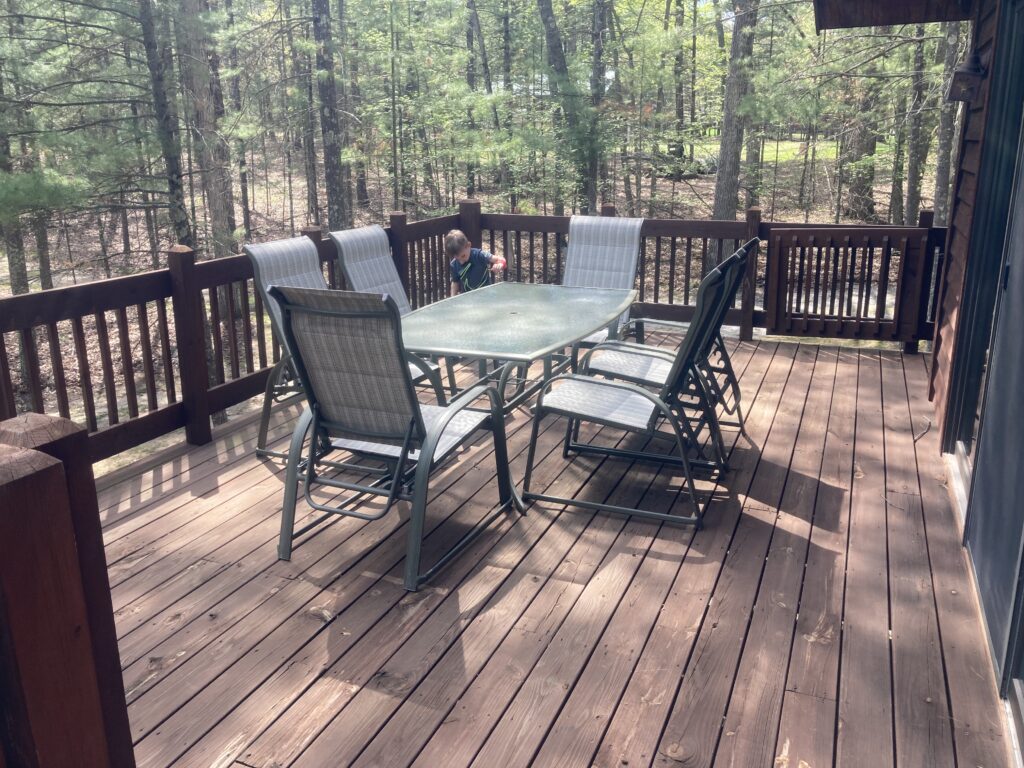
point(137, 357)
point(853, 282)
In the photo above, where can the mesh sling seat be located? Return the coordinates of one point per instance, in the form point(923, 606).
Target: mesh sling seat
point(348, 353)
point(295, 263)
point(602, 253)
point(364, 254)
point(683, 403)
point(649, 365)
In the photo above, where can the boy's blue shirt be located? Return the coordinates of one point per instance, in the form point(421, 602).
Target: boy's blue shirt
point(475, 272)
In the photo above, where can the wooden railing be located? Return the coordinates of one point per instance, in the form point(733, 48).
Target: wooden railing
point(137, 357)
point(853, 283)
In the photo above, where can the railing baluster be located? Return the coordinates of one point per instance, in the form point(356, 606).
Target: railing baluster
point(8, 408)
point(127, 364)
point(544, 251)
point(232, 328)
point(261, 330)
point(84, 374)
point(31, 358)
point(215, 331)
point(688, 270)
point(57, 365)
point(243, 287)
point(148, 372)
point(657, 270)
point(165, 350)
point(107, 365)
point(672, 269)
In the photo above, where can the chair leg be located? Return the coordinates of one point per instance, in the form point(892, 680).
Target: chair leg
point(416, 519)
point(268, 402)
point(450, 369)
point(291, 485)
point(506, 490)
point(534, 430)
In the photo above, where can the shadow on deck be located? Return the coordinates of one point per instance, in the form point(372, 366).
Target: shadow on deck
point(824, 614)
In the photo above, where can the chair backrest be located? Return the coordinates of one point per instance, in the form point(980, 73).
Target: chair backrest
point(733, 270)
point(366, 262)
point(710, 296)
point(348, 353)
point(603, 252)
point(292, 263)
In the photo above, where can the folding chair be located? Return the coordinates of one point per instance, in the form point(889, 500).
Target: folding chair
point(365, 257)
point(649, 365)
point(348, 353)
point(683, 403)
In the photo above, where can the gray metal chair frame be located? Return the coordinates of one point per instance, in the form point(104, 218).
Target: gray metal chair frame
point(715, 361)
point(684, 393)
point(396, 435)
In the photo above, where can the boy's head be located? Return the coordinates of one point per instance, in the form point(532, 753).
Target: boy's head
point(456, 246)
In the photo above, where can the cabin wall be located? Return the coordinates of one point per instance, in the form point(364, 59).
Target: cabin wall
point(972, 135)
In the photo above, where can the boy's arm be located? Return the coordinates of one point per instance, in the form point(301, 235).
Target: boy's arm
point(497, 263)
point(455, 291)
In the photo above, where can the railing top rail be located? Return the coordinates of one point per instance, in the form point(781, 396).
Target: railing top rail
point(696, 228)
point(839, 237)
point(33, 309)
point(427, 227)
point(221, 271)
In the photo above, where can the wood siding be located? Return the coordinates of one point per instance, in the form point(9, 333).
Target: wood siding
point(961, 216)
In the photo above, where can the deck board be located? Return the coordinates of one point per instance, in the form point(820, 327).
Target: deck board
point(565, 638)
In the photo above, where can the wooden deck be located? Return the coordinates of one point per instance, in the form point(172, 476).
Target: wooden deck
point(825, 614)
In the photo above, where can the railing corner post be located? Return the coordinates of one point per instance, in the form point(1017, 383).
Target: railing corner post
point(926, 219)
point(608, 209)
point(749, 294)
point(52, 689)
point(68, 442)
point(399, 247)
point(189, 331)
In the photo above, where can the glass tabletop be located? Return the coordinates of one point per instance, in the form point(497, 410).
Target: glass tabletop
point(512, 321)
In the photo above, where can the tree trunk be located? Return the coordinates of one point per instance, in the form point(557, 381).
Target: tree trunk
point(947, 121)
point(236, 104)
point(338, 213)
point(39, 229)
point(302, 71)
point(733, 121)
point(579, 118)
point(899, 146)
point(211, 149)
point(917, 136)
point(166, 127)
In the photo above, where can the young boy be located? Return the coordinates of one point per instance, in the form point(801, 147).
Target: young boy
point(470, 267)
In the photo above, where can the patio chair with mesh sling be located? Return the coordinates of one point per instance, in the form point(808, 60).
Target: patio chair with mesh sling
point(683, 403)
point(348, 353)
point(295, 262)
point(603, 252)
point(650, 365)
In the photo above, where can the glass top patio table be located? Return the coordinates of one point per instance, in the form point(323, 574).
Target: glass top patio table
point(516, 322)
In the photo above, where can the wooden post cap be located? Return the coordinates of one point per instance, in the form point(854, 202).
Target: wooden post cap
point(30, 430)
point(17, 463)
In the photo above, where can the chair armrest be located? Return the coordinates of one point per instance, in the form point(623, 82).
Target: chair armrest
point(463, 401)
point(433, 375)
point(629, 349)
